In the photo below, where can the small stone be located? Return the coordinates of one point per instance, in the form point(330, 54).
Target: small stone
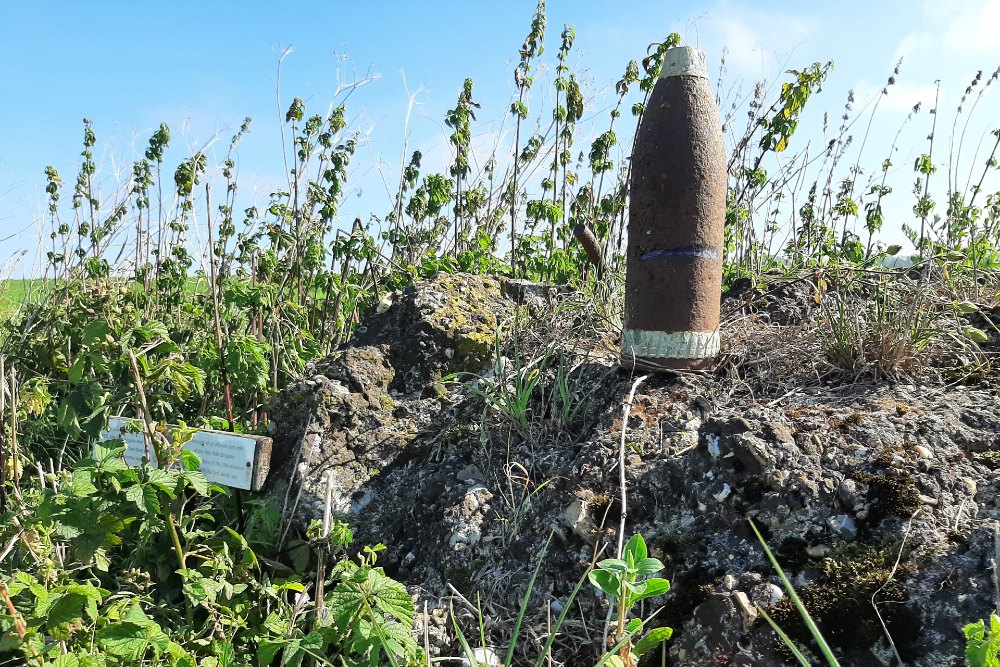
point(927, 500)
point(848, 492)
point(578, 519)
point(386, 303)
point(970, 485)
point(475, 497)
point(729, 582)
point(634, 460)
point(713, 445)
point(483, 656)
point(747, 609)
point(723, 494)
point(923, 452)
point(843, 526)
point(818, 550)
point(766, 595)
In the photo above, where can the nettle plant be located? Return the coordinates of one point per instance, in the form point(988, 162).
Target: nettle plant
point(116, 565)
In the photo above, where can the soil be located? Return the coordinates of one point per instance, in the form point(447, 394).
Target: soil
point(880, 497)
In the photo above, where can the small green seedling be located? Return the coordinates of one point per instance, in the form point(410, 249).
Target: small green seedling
point(627, 580)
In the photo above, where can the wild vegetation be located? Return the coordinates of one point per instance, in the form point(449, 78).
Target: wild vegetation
point(103, 564)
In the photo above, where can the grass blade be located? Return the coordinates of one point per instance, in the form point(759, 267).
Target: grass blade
point(469, 653)
point(785, 639)
point(559, 621)
point(508, 661)
point(813, 630)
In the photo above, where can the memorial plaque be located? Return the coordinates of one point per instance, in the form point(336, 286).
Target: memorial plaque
point(232, 459)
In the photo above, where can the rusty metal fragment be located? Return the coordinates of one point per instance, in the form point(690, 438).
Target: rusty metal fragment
point(591, 246)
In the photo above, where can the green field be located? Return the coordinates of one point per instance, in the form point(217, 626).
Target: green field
point(12, 293)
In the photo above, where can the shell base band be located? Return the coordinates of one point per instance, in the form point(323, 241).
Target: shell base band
point(672, 345)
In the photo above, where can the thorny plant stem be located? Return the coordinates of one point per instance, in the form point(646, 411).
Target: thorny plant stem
point(148, 422)
point(19, 626)
point(223, 370)
point(321, 612)
point(927, 176)
point(513, 193)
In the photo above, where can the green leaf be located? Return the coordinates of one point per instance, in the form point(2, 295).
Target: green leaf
point(198, 482)
point(975, 335)
point(108, 449)
point(165, 480)
point(652, 639)
point(344, 601)
point(652, 588)
point(144, 497)
point(77, 370)
point(606, 581)
point(81, 484)
point(124, 640)
point(392, 599)
point(635, 550)
point(648, 566)
point(965, 307)
point(267, 649)
point(96, 331)
point(65, 613)
point(982, 650)
point(68, 418)
point(614, 565)
point(189, 460)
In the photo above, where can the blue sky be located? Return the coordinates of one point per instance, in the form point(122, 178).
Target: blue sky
point(202, 66)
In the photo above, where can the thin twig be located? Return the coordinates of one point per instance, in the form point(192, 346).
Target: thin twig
point(626, 409)
point(892, 573)
point(996, 565)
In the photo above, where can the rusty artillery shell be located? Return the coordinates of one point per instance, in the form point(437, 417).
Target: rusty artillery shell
point(677, 212)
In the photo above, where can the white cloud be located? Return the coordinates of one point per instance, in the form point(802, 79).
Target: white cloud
point(963, 28)
point(757, 41)
point(974, 28)
point(901, 97)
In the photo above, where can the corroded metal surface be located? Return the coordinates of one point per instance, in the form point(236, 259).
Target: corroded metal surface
point(676, 217)
point(590, 245)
